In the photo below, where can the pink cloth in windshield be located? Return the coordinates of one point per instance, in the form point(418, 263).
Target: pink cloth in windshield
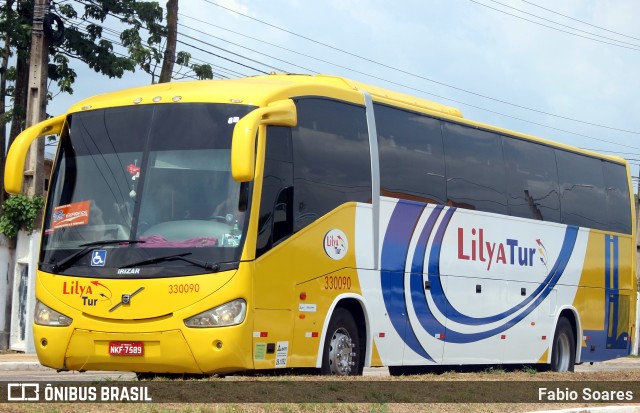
point(157, 241)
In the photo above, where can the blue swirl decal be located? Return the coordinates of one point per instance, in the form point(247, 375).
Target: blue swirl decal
point(395, 248)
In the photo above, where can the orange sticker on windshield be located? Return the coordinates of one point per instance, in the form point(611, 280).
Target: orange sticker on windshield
point(71, 215)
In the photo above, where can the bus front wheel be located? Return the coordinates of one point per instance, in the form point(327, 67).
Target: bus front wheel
point(563, 351)
point(342, 354)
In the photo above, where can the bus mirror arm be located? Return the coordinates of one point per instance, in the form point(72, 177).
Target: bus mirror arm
point(14, 167)
point(243, 146)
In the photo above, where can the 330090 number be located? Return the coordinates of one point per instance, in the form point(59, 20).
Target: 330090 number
point(183, 288)
point(332, 282)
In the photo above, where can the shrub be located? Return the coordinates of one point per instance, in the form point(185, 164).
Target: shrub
point(19, 212)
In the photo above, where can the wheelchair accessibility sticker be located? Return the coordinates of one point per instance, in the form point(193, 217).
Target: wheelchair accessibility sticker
point(98, 258)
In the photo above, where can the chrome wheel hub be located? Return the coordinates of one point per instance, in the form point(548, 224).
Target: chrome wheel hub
point(341, 354)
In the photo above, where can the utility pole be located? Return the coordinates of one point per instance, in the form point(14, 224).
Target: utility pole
point(26, 264)
point(37, 102)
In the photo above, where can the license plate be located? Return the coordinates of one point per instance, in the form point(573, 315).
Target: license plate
point(126, 348)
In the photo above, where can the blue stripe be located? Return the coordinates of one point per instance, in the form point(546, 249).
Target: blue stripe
point(395, 249)
point(418, 297)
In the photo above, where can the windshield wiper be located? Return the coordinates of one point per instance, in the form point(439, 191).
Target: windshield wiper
point(67, 262)
point(211, 266)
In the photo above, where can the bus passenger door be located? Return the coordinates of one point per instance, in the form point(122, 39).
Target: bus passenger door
point(274, 276)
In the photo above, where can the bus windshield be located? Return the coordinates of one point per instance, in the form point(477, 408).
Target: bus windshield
point(145, 191)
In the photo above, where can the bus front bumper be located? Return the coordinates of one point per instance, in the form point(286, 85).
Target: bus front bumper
point(194, 351)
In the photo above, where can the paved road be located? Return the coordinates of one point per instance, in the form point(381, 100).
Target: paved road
point(29, 370)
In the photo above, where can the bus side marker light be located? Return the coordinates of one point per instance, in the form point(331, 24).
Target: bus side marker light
point(311, 334)
point(439, 336)
point(301, 316)
point(381, 335)
point(544, 338)
point(258, 334)
point(503, 337)
point(303, 296)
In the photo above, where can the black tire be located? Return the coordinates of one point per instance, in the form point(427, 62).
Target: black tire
point(170, 376)
point(398, 371)
point(343, 354)
point(563, 351)
point(145, 376)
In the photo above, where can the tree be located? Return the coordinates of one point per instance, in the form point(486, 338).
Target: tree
point(85, 43)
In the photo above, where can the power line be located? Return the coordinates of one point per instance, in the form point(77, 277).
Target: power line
point(551, 27)
point(117, 33)
point(562, 25)
point(230, 52)
point(238, 45)
point(197, 48)
point(615, 152)
point(424, 77)
point(579, 21)
point(81, 26)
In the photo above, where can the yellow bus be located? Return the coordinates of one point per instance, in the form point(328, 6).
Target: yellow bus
point(292, 221)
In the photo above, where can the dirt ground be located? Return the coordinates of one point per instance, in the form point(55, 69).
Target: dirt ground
point(472, 392)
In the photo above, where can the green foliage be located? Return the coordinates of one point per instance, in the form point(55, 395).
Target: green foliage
point(19, 212)
point(143, 38)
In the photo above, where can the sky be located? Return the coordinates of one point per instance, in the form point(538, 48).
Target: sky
point(563, 70)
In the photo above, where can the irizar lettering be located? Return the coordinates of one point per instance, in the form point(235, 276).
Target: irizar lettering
point(472, 246)
point(128, 271)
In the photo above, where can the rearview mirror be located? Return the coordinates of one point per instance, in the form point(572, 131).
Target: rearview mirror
point(243, 146)
point(14, 167)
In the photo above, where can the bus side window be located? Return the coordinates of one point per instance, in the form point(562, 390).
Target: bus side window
point(582, 190)
point(411, 155)
point(283, 215)
point(615, 177)
point(475, 169)
point(275, 221)
point(332, 165)
point(532, 180)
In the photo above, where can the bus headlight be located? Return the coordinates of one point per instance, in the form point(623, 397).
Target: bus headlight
point(46, 316)
point(228, 314)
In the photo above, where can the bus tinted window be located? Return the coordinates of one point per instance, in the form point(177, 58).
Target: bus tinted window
point(276, 206)
point(615, 177)
point(582, 190)
point(411, 157)
point(532, 180)
point(475, 169)
point(331, 158)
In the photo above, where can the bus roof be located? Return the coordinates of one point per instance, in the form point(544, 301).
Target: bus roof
point(261, 90)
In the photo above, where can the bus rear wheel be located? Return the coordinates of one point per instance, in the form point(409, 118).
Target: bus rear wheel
point(342, 354)
point(563, 351)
